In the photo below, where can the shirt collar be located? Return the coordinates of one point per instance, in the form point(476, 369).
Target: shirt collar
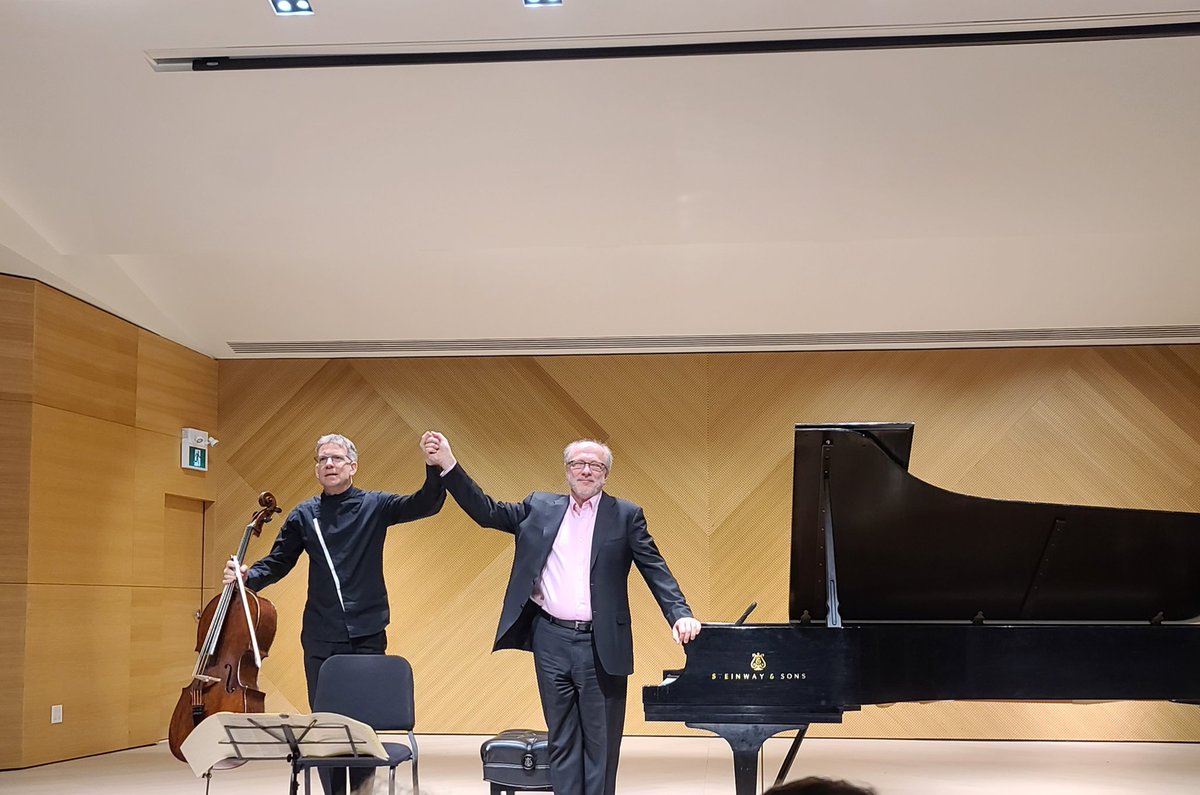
point(341, 496)
point(590, 504)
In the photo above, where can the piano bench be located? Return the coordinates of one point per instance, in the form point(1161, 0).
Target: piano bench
point(516, 760)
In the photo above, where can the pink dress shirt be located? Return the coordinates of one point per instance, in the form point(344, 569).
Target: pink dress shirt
point(564, 589)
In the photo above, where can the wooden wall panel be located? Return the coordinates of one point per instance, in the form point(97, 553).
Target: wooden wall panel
point(13, 598)
point(704, 443)
point(162, 641)
point(16, 338)
point(102, 531)
point(176, 387)
point(16, 428)
point(250, 392)
point(81, 499)
point(112, 659)
point(77, 655)
point(180, 544)
point(15, 434)
point(165, 552)
point(16, 417)
point(85, 360)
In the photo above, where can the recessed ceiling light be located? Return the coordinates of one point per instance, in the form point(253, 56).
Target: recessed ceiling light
point(292, 8)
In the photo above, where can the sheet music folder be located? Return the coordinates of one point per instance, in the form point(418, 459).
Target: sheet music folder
point(246, 736)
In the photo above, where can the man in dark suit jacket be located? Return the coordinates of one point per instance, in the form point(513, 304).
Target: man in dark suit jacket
point(568, 602)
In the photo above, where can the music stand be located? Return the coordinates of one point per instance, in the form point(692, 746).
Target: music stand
point(304, 741)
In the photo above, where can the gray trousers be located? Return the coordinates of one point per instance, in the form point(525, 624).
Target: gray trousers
point(584, 708)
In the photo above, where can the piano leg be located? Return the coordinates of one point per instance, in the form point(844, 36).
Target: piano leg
point(791, 756)
point(746, 739)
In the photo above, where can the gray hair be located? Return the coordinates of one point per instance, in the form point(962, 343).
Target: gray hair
point(602, 445)
point(338, 439)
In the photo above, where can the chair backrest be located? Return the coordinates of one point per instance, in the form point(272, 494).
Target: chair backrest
point(376, 689)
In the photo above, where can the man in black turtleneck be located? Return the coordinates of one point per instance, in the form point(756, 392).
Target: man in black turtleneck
point(342, 530)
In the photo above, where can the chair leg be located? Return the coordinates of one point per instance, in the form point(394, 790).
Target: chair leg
point(412, 743)
point(392, 780)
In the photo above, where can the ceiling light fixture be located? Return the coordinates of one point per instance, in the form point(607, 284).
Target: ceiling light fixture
point(541, 3)
point(292, 8)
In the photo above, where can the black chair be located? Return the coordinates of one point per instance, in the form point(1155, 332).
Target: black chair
point(377, 690)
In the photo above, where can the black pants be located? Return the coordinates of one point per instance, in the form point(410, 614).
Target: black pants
point(584, 708)
point(362, 779)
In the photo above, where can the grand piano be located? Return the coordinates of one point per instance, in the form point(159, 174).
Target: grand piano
point(902, 591)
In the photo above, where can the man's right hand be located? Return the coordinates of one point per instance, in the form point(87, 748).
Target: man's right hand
point(437, 451)
point(231, 572)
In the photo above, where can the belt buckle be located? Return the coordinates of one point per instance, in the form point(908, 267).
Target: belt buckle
point(582, 626)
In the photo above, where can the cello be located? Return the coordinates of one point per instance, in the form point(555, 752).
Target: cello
point(231, 644)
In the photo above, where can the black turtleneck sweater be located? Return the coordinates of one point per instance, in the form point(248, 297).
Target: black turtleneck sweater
point(351, 600)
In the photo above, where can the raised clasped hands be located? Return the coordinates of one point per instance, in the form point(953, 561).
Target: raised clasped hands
point(436, 448)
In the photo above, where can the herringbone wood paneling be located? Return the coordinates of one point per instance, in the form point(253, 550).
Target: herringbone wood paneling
point(704, 444)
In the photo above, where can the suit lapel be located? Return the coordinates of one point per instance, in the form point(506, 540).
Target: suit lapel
point(606, 523)
point(550, 530)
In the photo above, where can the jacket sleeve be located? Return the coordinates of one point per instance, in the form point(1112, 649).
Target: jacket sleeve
point(425, 502)
point(655, 572)
point(482, 509)
point(283, 555)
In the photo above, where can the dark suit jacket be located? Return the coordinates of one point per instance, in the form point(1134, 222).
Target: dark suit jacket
point(620, 539)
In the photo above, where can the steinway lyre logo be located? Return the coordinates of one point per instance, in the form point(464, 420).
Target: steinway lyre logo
point(758, 662)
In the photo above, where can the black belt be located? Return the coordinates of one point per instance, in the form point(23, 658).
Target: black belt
point(578, 626)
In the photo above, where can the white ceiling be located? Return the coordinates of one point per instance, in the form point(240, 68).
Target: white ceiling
point(904, 197)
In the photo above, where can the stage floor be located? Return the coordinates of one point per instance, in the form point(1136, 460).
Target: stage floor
point(450, 765)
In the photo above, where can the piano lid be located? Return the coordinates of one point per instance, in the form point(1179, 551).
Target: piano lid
point(909, 551)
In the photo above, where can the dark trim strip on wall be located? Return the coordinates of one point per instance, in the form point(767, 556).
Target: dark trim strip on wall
point(1045, 35)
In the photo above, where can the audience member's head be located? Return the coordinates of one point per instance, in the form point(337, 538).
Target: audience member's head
point(815, 785)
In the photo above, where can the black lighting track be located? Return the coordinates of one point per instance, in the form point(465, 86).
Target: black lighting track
point(755, 47)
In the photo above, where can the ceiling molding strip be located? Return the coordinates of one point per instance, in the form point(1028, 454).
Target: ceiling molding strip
point(869, 340)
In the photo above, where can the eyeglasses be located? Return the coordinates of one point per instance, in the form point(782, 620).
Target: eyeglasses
point(579, 466)
point(336, 460)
